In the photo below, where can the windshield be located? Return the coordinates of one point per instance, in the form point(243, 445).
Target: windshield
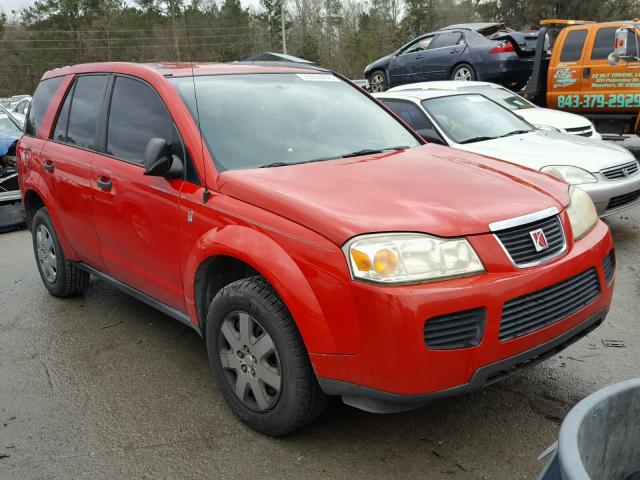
point(472, 118)
point(502, 96)
point(256, 120)
point(7, 126)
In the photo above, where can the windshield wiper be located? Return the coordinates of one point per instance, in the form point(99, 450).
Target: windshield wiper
point(515, 132)
point(369, 151)
point(477, 139)
point(275, 164)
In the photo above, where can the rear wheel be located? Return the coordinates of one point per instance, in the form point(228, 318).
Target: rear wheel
point(62, 277)
point(259, 360)
point(463, 73)
point(378, 82)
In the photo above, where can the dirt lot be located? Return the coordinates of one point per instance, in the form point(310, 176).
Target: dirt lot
point(105, 387)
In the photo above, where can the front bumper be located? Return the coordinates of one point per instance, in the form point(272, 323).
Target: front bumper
point(613, 196)
point(396, 371)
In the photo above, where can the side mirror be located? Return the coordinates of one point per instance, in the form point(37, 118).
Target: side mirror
point(159, 162)
point(431, 136)
point(613, 59)
point(619, 46)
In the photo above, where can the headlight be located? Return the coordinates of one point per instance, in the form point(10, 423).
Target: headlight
point(547, 128)
point(582, 212)
point(569, 174)
point(410, 258)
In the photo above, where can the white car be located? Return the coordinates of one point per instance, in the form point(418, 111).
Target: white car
point(542, 118)
point(20, 109)
point(472, 122)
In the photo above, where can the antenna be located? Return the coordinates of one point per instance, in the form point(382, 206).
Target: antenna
point(206, 195)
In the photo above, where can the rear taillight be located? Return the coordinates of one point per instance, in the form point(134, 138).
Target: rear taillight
point(504, 47)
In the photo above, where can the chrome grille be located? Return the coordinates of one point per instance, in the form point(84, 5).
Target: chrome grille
point(519, 244)
point(581, 131)
point(621, 172)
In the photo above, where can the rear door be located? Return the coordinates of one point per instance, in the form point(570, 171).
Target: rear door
point(564, 81)
point(409, 66)
point(444, 51)
point(612, 87)
point(31, 144)
point(137, 216)
point(67, 160)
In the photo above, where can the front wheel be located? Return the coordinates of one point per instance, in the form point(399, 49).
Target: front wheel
point(463, 73)
point(378, 82)
point(259, 361)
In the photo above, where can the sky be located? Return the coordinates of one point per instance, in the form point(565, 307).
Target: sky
point(8, 5)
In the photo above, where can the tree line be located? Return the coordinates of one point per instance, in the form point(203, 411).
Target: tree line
point(344, 35)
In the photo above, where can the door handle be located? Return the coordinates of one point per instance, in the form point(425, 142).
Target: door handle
point(49, 166)
point(104, 183)
point(419, 56)
point(586, 72)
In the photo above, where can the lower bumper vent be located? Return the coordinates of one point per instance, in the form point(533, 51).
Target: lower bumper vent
point(455, 330)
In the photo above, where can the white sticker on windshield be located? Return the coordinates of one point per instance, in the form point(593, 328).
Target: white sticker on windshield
point(478, 99)
point(317, 77)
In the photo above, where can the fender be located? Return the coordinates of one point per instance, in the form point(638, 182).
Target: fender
point(286, 277)
point(34, 182)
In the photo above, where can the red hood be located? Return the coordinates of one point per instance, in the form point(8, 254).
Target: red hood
point(431, 189)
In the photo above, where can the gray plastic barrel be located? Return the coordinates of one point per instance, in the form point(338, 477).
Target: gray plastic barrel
point(600, 438)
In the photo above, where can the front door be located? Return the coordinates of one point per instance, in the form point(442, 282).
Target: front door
point(612, 87)
point(137, 216)
point(409, 66)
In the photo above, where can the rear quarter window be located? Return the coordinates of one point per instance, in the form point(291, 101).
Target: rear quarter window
point(573, 45)
point(41, 100)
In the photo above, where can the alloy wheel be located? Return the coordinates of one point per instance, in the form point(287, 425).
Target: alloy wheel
point(377, 83)
point(46, 253)
point(463, 74)
point(250, 361)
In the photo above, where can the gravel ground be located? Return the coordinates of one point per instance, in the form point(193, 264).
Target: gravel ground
point(104, 387)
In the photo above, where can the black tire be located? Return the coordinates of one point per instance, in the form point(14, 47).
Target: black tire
point(464, 70)
point(299, 400)
point(12, 217)
point(378, 81)
point(69, 280)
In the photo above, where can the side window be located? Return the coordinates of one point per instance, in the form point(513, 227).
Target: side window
point(137, 115)
point(573, 44)
point(60, 132)
point(447, 39)
point(603, 45)
point(88, 95)
point(418, 46)
point(410, 113)
point(41, 100)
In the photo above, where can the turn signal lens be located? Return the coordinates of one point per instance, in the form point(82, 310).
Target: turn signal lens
point(361, 260)
point(385, 262)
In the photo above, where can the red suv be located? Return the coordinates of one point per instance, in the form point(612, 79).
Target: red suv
point(312, 238)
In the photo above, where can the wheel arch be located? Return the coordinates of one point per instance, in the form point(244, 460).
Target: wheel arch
point(234, 252)
point(463, 62)
point(36, 195)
